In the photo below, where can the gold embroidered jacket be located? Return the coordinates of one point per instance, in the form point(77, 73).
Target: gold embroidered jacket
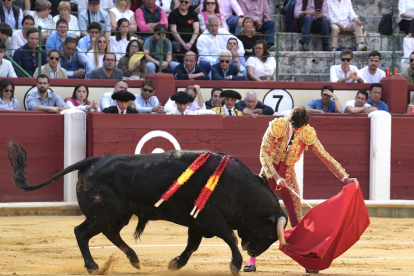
point(220, 110)
point(275, 141)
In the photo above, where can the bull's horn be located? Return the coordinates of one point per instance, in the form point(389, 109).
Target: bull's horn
point(280, 227)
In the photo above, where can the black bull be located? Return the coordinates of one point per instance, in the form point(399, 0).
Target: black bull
point(112, 188)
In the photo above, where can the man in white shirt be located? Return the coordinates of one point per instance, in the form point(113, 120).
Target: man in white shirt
point(212, 42)
point(106, 100)
point(371, 73)
point(6, 68)
point(11, 14)
point(193, 91)
point(344, 20)
point(359, 105)
point(345, 72)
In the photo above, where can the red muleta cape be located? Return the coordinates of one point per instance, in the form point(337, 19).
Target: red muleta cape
point(328, 230)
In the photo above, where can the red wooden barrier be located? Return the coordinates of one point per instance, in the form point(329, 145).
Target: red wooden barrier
point(345, 137)
point(42, 136)
point(402, 157)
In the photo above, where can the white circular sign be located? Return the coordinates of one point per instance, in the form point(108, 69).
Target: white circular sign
point(278, 99)
point(153, 134)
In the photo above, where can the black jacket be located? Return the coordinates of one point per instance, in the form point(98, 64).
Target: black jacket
point(114, 109)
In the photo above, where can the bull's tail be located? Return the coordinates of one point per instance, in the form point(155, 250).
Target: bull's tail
point(18, 160)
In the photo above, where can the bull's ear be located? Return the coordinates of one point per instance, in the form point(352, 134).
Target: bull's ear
point(271, 219)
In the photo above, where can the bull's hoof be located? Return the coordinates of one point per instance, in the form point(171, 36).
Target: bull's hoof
point(174, 265)
point(136, 265)
point(234, 270)
point(312, 271)
point(93, 269)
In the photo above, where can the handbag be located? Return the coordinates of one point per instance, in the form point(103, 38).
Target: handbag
point(385, 25)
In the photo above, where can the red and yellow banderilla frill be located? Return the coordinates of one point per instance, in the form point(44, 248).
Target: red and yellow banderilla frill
point(184, 177)
point(210, 186)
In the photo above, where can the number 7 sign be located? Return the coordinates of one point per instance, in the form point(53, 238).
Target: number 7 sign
point(278, 99)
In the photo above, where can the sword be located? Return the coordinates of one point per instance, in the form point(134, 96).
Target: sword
point(295, 193)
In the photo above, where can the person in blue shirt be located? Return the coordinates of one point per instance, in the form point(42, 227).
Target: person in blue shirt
point(56, 39)
point(69, 58)
point(27, 55)
point(328, 103)
point(87, 43)
point(375, 92)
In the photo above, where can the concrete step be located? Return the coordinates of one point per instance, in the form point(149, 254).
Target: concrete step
point(290, 42)
point(319, 63)
point(307, 78)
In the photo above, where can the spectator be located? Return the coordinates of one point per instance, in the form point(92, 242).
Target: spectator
point(344, 20)
point(248, 36)
point(239, 61)
point(87, 42)
point(359, 105)
point(410, 107)
point(182, 101)
point(123, 99)
point(153, 52)
point(328, 103)
point(5, 34)
point(225, 70)
point(251, 106)
point(19, 37)
point(230, 99)
point(26, 56)
point(184, 26)
point(41, 98)
point(405, 16)
point(227, 9)
point(408, 73)
point(101, 47)
point(79, 99)
point(193, 91)
point(105, 5)
point(194, 5)
point(259, 11)
point(148, 16)
point(64, 9)
point(371, 73)
point(121, 10)
point(138, 69)
point(313, 18)
point(121, 39)
point(211, 7)
point(52, 68)
point(6, 67)
point(261, 66)
point(94, 14)
point(189, 70)
point(11, 14)
point(56, 39)
point(146, 102)
point(345, 72)
point(408, 47)
point(135, 4)
point(375, 92)
point(7, 100)
point(216, 99)
point(69, 58)
point(106, 99)
point(211, 42)
point(108, 70)
point(42, 18)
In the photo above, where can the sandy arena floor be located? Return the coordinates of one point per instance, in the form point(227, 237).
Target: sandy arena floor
point(45, 245)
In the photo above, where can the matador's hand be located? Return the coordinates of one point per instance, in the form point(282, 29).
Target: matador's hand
point(350, 180)
point(280, 181)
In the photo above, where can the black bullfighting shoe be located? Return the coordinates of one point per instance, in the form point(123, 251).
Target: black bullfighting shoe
point(249, 268)
point(312, 271)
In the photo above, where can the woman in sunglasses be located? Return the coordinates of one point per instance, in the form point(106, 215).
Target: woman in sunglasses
point(79, 99)
point(7, 100)
point(138, 69)
point(96, 55)
point(261, 66)
point(211, 7)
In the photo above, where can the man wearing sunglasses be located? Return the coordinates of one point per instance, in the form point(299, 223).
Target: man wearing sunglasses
point(345, 72)
point(225, 70)
point(146, 102)
point(408, 73)
point(52, 69)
